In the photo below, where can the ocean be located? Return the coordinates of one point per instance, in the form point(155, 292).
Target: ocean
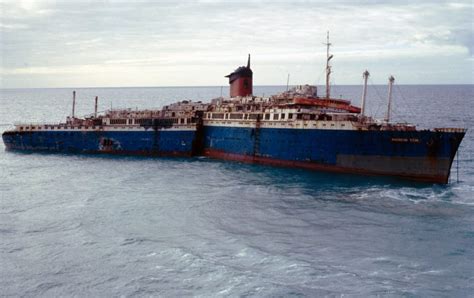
point(85, 225)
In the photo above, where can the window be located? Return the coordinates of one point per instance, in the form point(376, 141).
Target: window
point(236, 116)
point(290, 115)
point(324, 117)
point(218, 116)
point(116, 121)
point(282, 116)
point(254, 116)
point(275, 116)
point(267, 116)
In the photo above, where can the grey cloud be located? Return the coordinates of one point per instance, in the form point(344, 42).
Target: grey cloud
point(59, 34)
point(465, 37)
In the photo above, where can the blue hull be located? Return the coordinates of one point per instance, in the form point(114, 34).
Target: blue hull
point(419, 155)
point(161, 142)
point(416, 155)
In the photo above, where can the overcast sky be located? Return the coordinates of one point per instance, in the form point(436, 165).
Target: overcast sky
point(192, 43)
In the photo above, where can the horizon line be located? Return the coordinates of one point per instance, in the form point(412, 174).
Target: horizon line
point(222, 86)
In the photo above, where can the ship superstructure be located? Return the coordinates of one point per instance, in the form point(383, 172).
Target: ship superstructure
point(296, 128)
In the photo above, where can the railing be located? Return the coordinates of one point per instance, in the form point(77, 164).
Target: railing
point(37, 123)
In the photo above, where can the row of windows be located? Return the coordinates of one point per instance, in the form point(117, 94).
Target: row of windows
point(281, 116)
point(141, 121)
point(56, 127)
point(85, 127)
point(118, 121)
point(297, 124)
point(276, 116)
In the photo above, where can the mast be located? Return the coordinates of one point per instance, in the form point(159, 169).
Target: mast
point(391, 79)
point(328, 67)
point(364, 93)
point(73, 103)
point(287, 82)
point(95, 106)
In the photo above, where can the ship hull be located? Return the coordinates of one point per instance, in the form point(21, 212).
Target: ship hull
point(415, 155)
point(151, 142)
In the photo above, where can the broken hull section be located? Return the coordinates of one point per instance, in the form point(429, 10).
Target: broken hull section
point(150, 142)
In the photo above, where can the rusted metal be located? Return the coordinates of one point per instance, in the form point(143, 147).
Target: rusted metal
point(241, 81)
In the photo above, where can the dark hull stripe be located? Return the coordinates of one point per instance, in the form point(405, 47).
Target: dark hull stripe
point(321, 167)
point(105, 152)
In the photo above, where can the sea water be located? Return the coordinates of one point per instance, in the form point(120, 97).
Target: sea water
point(133, 226)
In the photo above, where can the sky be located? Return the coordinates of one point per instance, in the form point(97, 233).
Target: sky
point(196, 43)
